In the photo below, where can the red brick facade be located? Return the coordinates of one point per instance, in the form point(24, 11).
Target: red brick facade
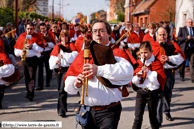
point(112, 10)
point(132, 5)
point(145, 11)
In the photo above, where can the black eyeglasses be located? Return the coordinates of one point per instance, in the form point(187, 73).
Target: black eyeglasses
point(29, 29)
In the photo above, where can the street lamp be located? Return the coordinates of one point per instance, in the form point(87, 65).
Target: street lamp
point(60, 10)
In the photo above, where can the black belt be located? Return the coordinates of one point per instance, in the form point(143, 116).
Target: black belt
point(145, 89)
point(106, 106)
point(31, 57)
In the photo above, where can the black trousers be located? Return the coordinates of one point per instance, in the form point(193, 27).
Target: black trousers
point(62, 99)
point(134, 53)
point(143, 97)
point(104, 119)
point(29, 69)
point(189, 55)
point(44, 59)
point(165, 97)
point(1, 94)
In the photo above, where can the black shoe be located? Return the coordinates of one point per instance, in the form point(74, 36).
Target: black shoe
point(38, 88)
point(30, 98)
point(168, 117)
point(182, 79)
point(192, 81)
point(62, 113)
point(159, 124)
point(48, 85)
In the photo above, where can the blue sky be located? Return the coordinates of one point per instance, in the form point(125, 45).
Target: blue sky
point(85, 6)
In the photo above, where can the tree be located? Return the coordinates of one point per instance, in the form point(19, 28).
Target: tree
point(118, 5)
point(24, 5)
point(169, 13)
point(121, 17)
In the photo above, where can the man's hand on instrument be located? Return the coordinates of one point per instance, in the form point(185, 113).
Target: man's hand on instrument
point(90, 69)
point(21, 54)
point(28, 46)
point(78, 81)
point(164, 58)
point(60, 56)
point(57, 62)
point(124, 45)
point(139, 74)
point(45, 44)
point(133, 48)
point(145, 69)
point(189, 37)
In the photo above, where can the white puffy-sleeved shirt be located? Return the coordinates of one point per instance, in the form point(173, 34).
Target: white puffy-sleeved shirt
point(131, 45)
point(35, 51)
point(6, 71)
point(175, 59)
point(151, 81)
point(50, 45)
point(66, 61)
point(120, 73)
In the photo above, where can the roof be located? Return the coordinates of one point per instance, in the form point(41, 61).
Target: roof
point(143, 7)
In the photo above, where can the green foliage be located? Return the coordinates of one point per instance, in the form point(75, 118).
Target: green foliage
point(92, 18)
point(113, 21)
point(7, 15)
point(119, 6)
point(121, 17)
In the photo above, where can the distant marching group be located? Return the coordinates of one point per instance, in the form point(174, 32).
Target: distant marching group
point(106, 60)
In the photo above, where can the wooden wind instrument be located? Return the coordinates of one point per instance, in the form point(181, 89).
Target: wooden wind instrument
point(86, 60)
point(117, 42)
point(142, 79)
point(59, 69)
point(162, 52)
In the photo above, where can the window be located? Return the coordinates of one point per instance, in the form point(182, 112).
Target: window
point(184, 19)
point(40, 3)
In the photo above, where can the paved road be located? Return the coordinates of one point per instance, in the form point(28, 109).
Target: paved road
point(17, 108)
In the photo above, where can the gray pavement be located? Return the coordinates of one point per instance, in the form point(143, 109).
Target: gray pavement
point(43, 108)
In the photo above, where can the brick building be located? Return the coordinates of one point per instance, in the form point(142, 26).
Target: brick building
point(130, 5)
point(145, 11)
point(184, 10)
point(42, 6)
point(111, 11)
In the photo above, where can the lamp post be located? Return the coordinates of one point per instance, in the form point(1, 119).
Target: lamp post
point(60, 7)
point(16, 15)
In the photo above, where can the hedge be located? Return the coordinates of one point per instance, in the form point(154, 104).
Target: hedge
point(8, 15)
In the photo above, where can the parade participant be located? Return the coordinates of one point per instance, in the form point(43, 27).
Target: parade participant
point(148, 80)
point(79, 43)
point(172, 57)
point(60, 61)
point(34, 46)
point(104, 101)
point(74, 33)
point(54, 32)
point(6, 70)
point(151, 35)
point(22, 27)
point(64, 26)
point(49, 43)
point(127, 28)
point(186, 43)
point(134, 39)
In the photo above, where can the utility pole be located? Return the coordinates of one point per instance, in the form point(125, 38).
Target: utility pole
point(59, 10)
point(16, 15)
point(53, 11)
